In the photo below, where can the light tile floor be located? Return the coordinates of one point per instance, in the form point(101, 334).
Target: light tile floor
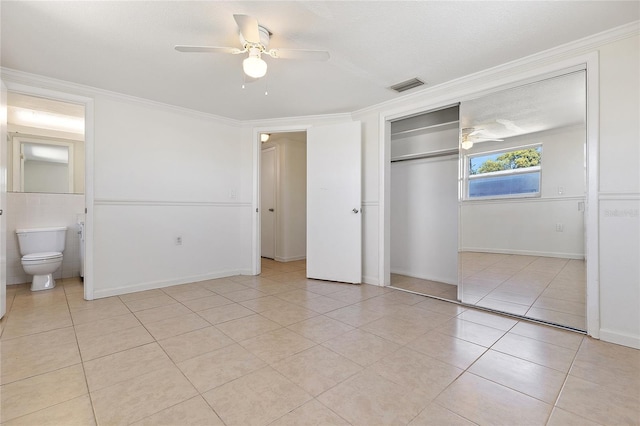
point(279, 349)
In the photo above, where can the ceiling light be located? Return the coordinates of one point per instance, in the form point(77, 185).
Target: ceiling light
point(254, 66)
point(466, 142)
point(264, 137)
point(47, 120)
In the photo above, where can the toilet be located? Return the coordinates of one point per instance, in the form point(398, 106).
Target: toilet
point(41, 250)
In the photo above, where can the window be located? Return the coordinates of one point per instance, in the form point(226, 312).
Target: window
point(502, 174)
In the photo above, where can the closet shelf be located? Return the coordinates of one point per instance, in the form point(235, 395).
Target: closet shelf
point(429, 127)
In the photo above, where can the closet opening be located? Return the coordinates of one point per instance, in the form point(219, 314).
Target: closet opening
point(424, 203)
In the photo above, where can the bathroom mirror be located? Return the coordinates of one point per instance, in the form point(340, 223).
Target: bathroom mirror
point(522, 187)
point(46, 145)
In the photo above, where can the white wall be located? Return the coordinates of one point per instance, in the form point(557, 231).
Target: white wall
point(619, 214)
point(424, 218)
point(527, 226)
point(291, 203)
point(162, 173)
point(40, 211)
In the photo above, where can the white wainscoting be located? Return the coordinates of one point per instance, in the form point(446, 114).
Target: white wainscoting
point(212, 243)
point(370, 260)
point(620, 269)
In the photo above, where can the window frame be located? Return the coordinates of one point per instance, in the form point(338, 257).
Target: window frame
point(468, 177)
point(19, 139)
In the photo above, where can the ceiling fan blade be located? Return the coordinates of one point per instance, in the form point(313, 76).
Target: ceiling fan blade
point(312, 55)
point(487, 140)
point(248, 28)
point(207, 49)
point(510, 125)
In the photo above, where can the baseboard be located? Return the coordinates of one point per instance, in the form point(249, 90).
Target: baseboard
point(578, 256)
point(624, 339)
point(151, 285)
point(289, 259)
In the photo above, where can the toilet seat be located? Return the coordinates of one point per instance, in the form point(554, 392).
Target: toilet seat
point(45, 257)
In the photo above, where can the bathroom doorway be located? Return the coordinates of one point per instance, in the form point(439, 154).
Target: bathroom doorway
point(283, 202)
point(45, 154)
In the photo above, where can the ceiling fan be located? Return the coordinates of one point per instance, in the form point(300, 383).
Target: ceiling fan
point(254, 40)
point(471, 135)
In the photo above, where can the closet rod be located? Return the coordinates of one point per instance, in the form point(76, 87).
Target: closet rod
point(433, 154)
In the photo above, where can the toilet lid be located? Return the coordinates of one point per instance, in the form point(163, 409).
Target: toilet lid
point(43, 256)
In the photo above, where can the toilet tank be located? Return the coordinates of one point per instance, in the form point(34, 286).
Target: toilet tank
point(41, 240)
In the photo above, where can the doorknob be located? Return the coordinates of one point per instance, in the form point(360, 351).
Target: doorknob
point(270, 210)
point(355, 210)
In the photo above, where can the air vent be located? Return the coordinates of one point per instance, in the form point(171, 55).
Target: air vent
point(407, 85)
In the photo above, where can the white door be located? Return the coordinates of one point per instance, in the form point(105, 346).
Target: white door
point(3, 199)
point(334, 225)
point(268, 164)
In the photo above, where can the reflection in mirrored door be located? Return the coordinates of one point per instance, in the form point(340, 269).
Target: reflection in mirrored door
point(522, 201)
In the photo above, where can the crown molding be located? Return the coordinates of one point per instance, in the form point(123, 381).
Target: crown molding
point(23, 78)
point(303, 121)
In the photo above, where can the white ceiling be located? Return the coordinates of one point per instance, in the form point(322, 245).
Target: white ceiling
point(127, 47)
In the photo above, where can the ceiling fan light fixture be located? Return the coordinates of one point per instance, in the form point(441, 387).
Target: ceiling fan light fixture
point(466, 143)
point(254, 66)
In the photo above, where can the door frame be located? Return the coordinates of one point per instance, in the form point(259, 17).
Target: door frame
point(451, 93)
point(88, 104)
point(256, 240)
point(3, 198)
point(276, 194)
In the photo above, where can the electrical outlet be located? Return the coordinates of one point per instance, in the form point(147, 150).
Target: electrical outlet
point(178, 241)
point(559, 227)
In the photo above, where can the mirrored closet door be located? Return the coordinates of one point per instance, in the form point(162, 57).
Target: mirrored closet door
point(522, 186)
